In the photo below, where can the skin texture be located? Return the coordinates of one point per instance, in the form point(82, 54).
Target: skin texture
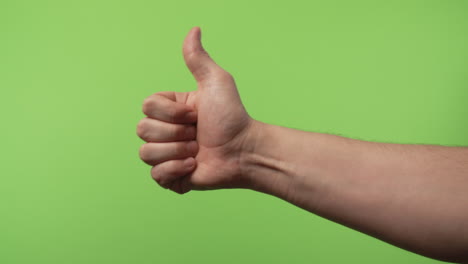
point(412, 196)
point(221, 122)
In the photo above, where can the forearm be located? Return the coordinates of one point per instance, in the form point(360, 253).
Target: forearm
point(413, 196)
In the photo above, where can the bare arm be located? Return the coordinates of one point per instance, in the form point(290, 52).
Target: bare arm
point(412, 196)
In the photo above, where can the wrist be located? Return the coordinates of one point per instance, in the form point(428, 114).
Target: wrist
point(261, 163)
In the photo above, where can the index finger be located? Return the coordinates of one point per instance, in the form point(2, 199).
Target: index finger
point(159, 106)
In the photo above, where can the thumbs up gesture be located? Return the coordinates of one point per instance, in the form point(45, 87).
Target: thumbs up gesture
point(195, 139)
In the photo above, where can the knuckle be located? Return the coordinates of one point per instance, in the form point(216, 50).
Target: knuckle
point(172, 114)
point(224, 75)
point(144, 152)
point(179, 132)
point(190, 132)
point(142, 129)
point(148, 105)
point(181, 148)
point(156, 173)
point(176, 113)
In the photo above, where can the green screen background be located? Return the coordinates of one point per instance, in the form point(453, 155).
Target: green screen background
point(73, 75)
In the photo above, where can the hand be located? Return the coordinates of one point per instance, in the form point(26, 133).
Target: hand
point(195, 139)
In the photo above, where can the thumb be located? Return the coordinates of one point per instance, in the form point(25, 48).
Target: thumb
point(197, 59)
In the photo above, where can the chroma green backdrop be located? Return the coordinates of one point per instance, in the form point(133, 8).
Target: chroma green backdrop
point(73, 75)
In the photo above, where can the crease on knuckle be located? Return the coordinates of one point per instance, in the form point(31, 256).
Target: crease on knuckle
point(177, 113)
point(171, 114)
point(179, 132)
point(148, 105)
point(156, 174)
point(144, 153)
point(142, 129)
point(181, 149)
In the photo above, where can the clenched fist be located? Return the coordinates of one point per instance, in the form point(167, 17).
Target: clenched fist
point(195, 139)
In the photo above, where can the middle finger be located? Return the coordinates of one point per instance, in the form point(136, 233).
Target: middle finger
point(152, 130)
